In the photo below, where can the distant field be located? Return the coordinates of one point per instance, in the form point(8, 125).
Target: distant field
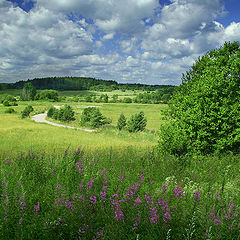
point(19, 135)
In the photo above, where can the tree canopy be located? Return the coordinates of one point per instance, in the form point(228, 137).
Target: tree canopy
point(205, 109)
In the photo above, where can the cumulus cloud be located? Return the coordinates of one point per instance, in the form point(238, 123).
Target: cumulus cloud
point(125, 40)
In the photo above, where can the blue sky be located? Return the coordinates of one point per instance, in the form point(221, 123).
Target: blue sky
point(134, 41)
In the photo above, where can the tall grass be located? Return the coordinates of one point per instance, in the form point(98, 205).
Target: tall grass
point(119, 194)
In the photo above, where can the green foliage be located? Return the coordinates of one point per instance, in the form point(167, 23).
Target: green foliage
point(92, 117)
point(137, 122)
point(51, 111)
point(127, 100)
point(49, 95)
point(68, 114)
point(28, 92)
point(26, 111)
point(205, 108)
point(8, 100)
point(65, 114)
point(9, 110)
point(122, 122)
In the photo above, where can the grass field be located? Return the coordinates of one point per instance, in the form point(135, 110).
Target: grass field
point(119, 187)
point(18, 134)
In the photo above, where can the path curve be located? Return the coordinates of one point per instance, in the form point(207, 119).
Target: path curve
point(42, 119)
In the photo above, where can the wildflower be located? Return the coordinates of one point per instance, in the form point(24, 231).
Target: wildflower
point(196, 197)
point(141, 178)
point(118, 213)
point(103, 195)
point(212, 215)
point(137, 201)
point(103, 172)
point(228, 216)
point(137, 222)
point(178, 192)
point(164, 187)
point(80, 187)
point(89, 184)
point(104, 188)
point(93, 199)
point(217, 221)
point(217, 196)
point(59, 186)
point(230, 228)
point(166, 217)
point(151, 182)
point(36, 208)
point(121, 177)
point(4, 184)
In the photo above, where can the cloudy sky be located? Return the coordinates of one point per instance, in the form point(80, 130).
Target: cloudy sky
point(134, 41)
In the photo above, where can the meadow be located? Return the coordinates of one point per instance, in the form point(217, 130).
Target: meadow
point(68, 184)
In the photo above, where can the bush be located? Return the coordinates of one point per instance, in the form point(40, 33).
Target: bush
point(26, 111)
point(65, 114)
point(49, 95)
point(9, 110)
point(6, 103)
point(205, 108)
point(93, 117)
point(137, 122)
point(121, 122)
point(28, 92)
point(51, 112)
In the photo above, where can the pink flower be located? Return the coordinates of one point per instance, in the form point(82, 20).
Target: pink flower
point(103, 172)
point(137, 201)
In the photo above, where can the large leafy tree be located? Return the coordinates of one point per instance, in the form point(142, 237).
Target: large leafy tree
point(205, 109)
point(28, 92)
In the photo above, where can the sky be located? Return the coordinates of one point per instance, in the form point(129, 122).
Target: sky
point(130, 41)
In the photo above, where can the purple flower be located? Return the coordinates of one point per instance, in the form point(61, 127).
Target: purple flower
point(36, 208)
point(164, 188)
point(141, 178)
point(212, 215)
point(137, 222)
point(103, 172)
point(59, 186)
point(121, 177)
point(230, 228)
point(228, 216)
point(151, 182)
point(103, 195)
point(137, 201)
point(217, 221)
point(93, 199)
point(167, 217)
point(196, 196)
point(178, 192)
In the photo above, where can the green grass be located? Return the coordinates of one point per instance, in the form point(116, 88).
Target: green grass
point(49, 197)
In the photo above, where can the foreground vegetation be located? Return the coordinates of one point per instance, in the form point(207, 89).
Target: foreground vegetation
point(119, 195)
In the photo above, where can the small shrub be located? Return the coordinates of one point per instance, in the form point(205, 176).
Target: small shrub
point(26, 111)
point(9, 110)
point(137, 122)
point(122, 122)
point(6, 103)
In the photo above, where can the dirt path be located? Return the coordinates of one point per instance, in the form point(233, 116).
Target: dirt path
point(42, 119)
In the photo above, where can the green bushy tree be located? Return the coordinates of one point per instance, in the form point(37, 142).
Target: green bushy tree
point(137, 122)
point(122, 122)
point(51, 111)
point(205, 108)
point(93, 117)
point(26, 111)
point(28, 92)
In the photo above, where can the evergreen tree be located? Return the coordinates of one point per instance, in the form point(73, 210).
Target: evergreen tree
point(122, 122)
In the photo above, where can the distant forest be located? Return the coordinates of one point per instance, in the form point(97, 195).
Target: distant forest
point(82, 83)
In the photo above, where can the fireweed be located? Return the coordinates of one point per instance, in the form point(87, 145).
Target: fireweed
point(83, 201)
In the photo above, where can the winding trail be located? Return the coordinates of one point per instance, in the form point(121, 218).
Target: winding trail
point(42, 119)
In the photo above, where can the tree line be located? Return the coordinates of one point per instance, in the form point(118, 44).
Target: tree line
point(81, 83)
